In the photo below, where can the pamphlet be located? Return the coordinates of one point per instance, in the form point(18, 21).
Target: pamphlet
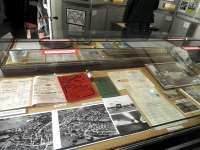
point(20, 93)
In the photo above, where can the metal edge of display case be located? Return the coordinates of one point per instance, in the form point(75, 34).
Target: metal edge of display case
point(163, 140)
point(4, 53)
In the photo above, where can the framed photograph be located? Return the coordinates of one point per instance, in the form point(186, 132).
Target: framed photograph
point(187, 106)
point(192, 92)
point(76, 17)
point(173, 75)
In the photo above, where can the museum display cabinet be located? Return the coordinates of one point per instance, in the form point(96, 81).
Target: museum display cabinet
point(99, 94)
point(56, 56)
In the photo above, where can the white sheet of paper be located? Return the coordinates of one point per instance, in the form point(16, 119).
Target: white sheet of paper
point(15, 93)
point(46, 89)
point(123, 79)
point(12, 112)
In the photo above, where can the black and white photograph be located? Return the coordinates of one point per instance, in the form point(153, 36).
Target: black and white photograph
point(85, 125)
point(130, 122)
point(173, 75)
point(192, 92)
point(32, 132)
point(119, 104)
point(186, 106)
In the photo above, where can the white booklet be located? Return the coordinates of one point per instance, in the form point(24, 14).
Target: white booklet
point(20, 93)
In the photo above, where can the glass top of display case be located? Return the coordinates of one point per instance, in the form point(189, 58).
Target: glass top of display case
point(149, 85)
point(96, 54)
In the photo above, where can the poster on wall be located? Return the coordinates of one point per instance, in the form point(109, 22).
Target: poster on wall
point(189, 7)
point(76, 17)
point(193, 7)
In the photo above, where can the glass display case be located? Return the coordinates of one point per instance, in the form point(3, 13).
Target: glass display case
point(53, 56)
point(79, 55)
point(127, 78)
point(85, 84)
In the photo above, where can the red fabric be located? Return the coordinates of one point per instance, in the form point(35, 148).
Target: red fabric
point(77, 87)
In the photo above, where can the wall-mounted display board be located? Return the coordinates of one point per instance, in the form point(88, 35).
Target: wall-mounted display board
point(190, 7)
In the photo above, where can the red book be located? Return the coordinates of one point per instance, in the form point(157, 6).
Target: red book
point(77, 87)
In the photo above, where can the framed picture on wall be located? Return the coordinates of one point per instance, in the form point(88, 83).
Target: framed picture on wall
point(76, 17)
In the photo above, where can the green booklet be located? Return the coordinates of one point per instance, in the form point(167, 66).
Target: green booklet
point(106, 87)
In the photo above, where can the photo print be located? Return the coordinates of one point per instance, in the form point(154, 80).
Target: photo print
point(192, 92)
point(119, 104)
point(85, 125)
point(186, 106)
point(125, 115)
point(130, 122)
point(31, 132)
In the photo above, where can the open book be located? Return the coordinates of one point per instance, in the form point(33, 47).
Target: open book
point(26, 92)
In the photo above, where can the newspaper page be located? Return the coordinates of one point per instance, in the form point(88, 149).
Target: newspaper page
point(122, 79)
point(153, 105)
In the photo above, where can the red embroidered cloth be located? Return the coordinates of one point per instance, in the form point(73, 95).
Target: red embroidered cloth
point(77, 87)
